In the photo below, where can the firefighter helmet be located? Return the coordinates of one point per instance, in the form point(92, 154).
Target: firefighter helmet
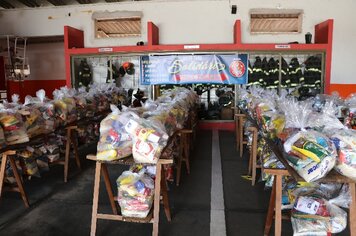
point(129, 68)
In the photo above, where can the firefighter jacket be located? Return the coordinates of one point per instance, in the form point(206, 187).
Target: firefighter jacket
point(295, 73)
point(272, 80)
point(84, 74)
point(251, 78)
point(265, 71)
point(312, 72)
point(258, 74)
point(285, 82)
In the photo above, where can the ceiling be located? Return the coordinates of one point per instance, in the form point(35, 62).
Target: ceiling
point(15, 4)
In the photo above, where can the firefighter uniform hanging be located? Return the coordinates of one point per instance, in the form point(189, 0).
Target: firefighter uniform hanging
point(272, 80)
point(295, 73)
point(251, 76)
point(265, 71)
point(312, 73)
point(258, 74)
point(84, 74)
point(285, 82)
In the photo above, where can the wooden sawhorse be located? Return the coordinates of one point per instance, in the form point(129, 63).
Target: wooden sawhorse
point(160, 190)
point(7, 156)
point(239, 126)
point(275, 202)
point(184, 152)
point(252, 166)
point(70, 140)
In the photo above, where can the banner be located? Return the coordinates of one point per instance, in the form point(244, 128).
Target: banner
point(193, 69)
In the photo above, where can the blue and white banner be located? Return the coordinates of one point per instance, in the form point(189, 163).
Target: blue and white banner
point(192, 69)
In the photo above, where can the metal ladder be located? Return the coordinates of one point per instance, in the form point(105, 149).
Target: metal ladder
point(17, 67)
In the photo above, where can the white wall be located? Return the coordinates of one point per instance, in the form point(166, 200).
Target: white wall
point(46, 61)
point(182, 22)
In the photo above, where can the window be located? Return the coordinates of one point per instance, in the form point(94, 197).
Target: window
point(117, 24)
point(275, 21)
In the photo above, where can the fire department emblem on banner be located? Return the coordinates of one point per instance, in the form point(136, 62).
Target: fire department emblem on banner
point(237, 68)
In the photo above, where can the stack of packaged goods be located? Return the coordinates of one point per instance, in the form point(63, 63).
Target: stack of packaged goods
point(314, 142)
point(46, 109)
point(65, 105)
point(136, 191)
point(146, 128)
point(80, 103)
point(114, 142)
point(148, 140)
point(345, 141)
point(311, 154)
point(313, 215)
point(28, 162)
point(143, 132)
point(14, 128)
point(39, 115)
point(317, 208)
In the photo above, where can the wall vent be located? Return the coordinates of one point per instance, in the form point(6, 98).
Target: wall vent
point(119, 27)
point(275, 21)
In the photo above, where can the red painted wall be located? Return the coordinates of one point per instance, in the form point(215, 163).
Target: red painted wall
point(343, 89)
point(30, 87)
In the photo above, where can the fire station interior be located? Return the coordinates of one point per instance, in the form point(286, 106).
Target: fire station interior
point(214, 151)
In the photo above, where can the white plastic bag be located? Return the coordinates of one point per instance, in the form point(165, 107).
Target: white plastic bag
point(345, 142)
point(135, 193)
point(316, 216)
point(114, 142)
point(148, 140)
point(311, 154)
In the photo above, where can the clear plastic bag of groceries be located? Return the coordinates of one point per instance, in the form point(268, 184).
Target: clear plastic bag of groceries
point(268, 157)
point(345, 142)
point(114, 142)
point(326, 118)
point(343, 198)
point(45, 108)
point(135, 193)
point(312, 215)
point(32, 119)
point(148, 140)
point(91, 104)
point(242, 95)
point(101, 98)
point(14, 104)
point(61, 108)
point(68, 99)
point(184, 99)
point(178, 117)
point(167, 117)
point(297, 114)
point(28, 162)
point(151, 105)
point(81, 103)
point(268, 117)
point(161, 119)
point(329, 191)
point(14, 128)
point(311, 154)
